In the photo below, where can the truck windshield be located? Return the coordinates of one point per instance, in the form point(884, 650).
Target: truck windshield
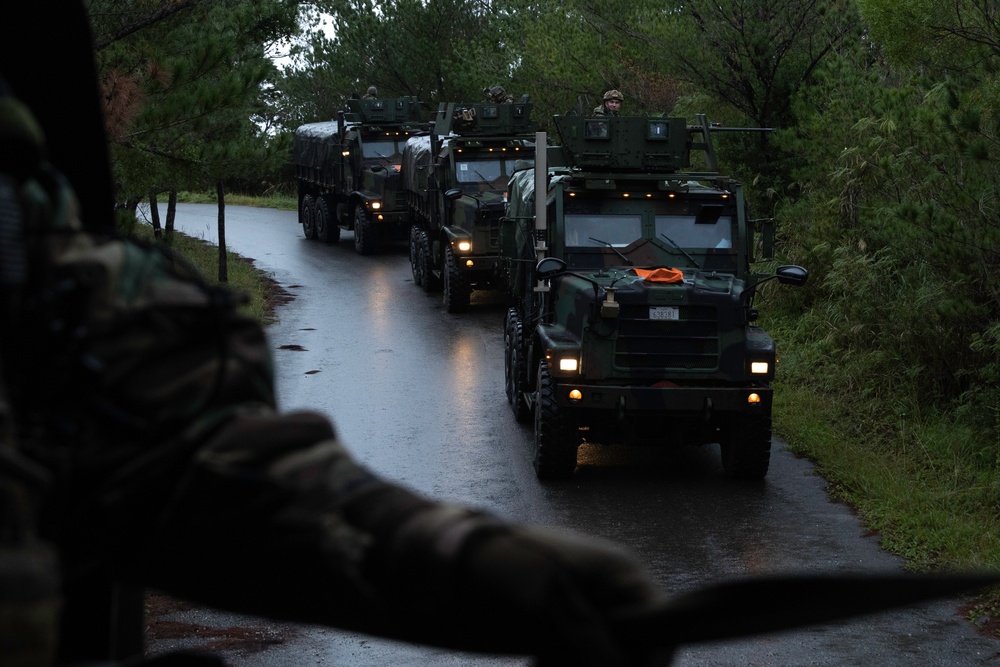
point(484, 171)
point(618, 230)
point(379, 149)
point(685, 232)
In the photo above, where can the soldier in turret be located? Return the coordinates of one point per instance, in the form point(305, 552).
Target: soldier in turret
point(612, 104)
point(371, 94)
point(498, 95)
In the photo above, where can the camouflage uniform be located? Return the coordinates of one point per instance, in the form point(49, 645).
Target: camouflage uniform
point(603, 109)
point(149, 400)
point(497, 95)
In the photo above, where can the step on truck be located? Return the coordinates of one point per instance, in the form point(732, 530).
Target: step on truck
point(347, 172)
point(633, 292)
point(455, 178)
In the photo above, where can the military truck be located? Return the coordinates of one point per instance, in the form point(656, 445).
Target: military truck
point(633, 289)
point(347, 172)
point(455, 178)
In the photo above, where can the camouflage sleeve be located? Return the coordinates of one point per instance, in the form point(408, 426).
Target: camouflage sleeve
point(175, 471)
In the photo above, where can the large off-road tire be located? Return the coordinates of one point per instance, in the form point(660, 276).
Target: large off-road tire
point(430, 281)
point(515, 366)
point(365, 241)
point(456, 288)
point(746, 447)
point(556, 436)
point(307, 216)
point(418, 275)
point(327, 230)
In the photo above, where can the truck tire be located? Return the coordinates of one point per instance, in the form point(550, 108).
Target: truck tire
point(307, 216)
point(746, 448)
point(430, 281)
point(327, 230)
point(556, 437)
point(418, 276)
point(456, 288)
point(515, 366)
point(364, 232)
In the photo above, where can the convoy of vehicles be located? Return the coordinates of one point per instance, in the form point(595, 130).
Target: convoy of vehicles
point(347, 172)
point(628, 272)
point(455, 178)
point(632, 316)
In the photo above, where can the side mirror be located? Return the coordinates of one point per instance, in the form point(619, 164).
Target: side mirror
point(792, 275)
point(377, 168)
point(548, 267)
point(452, 194)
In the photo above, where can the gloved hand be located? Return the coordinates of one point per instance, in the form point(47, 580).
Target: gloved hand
point(556, 592)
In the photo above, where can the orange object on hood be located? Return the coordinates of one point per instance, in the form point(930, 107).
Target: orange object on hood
point(660, 275)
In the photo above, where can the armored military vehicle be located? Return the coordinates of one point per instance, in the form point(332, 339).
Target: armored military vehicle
point(631, 277)
point(455, 179)
point(348, 172)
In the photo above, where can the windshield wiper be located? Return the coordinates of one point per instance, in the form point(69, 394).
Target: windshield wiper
point(624, 258)
point(683, 252)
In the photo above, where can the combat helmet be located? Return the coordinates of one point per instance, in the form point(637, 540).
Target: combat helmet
point(613, 95)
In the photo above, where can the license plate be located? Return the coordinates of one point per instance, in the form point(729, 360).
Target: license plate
point(664, 313)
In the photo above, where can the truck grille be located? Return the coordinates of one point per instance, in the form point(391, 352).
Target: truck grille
point(690, 343)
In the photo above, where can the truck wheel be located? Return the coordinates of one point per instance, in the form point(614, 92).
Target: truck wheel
point(418, 276)
point(556, 437)
point(364, 232)
point(746, 448)
point(456, 287)
point(307, 216)
point(515, 366)
point(327, 230)
point(430, 281)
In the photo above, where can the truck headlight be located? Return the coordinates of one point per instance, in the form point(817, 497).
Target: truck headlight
point(568, 364)
point(759, 367)
point(464, 246)
point(376, 205)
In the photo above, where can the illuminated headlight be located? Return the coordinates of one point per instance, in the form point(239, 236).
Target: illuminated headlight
point(376, 205)
point(464, 246)
point(568, 364)
point(759, 367)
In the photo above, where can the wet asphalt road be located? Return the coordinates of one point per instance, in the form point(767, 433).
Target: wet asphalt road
point(417, 394)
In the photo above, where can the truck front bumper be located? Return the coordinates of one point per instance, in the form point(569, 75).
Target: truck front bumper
point(636, 401)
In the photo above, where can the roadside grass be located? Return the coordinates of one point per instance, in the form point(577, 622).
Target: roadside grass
point(283, 202)
point(918, 481)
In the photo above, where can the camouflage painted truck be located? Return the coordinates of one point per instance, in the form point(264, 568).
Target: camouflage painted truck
point(455, 179)
point(634, 316)
point(348, 172)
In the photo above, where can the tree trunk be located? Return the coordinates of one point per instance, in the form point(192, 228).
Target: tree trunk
point(223, 268)
point(154, 215)
point(168, 226)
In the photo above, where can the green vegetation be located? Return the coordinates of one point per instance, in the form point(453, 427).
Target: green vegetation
point(883, 175)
